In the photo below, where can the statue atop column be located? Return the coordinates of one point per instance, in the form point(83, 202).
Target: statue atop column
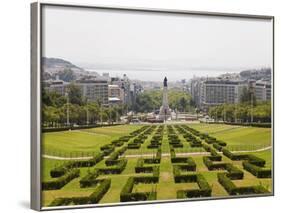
point(165, 112)
point(165, 82)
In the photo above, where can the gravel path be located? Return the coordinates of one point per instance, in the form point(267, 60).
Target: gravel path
point(150, 155)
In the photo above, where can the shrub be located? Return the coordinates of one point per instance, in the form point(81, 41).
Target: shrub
point(96, 196)
point(256, 160)
point(190, 166)
point(134, 145)
point(153, 146)
point(234, 172)
point(221, 143)
point(108, 151)
point(179, 178)
point(257, 171)
point(217, 146)
point(225, 180)
point(126, 194)
point(62, 169)
point(58, 171)
point(208, 161)
point(116, 169)
point(93, 198)
point(61, 181)
point(206, 147)
point(228, 185)
point(204, 188)
point(214, 153)
point(112, 160)
point(89, 179)
point(232, 156)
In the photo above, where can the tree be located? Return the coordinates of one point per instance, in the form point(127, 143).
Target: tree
point(52, 99)
point(183, 104)
point(152, 100)
point(197, 112)
point(242, 112)
point(247, 96)
point(75, 94)
point(50, 115)
point(67, 75)
point(94, 111)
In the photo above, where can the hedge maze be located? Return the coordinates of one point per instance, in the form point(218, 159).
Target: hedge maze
point(112, 175)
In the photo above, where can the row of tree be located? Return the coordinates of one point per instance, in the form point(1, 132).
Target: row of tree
point(58, 110)
point(88, 114)
point(243, 112)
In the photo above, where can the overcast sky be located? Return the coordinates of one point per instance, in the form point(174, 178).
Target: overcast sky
point(149, 46)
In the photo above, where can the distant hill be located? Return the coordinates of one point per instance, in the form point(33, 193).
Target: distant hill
point(257, 74)
point(56, 64)
point(65, 70)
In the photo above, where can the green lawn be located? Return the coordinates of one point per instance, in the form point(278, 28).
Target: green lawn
point(90, 141)
point(82, 142)
point(237, 137)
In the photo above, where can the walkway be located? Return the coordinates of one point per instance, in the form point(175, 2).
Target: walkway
point(151, 155)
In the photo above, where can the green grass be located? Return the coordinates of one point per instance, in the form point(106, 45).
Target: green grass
point(90, 140)
point(82, 142)
point(237, 137)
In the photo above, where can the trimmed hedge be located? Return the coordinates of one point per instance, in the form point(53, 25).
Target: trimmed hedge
point(156, 139)
point(252, 159)
point(215, 154)
point(257, 171)
point(206, 147)
point(61, 181)
point(225, 180)
point(217, 146)
point(95, 197)
point(186, 160)
point(233, 156)
point(112, 159)
point(126, 194)
point(234, 172)
point(62, 169)
point(134, 145)
point(221, 143)
point(116, 169)
point(183, 178)
point(204, 188)
point(59, 171)
point(208, 161)
point(58, 129)
point(256, 160)
point(138, 131)
point(89, 179)
point(153, 146)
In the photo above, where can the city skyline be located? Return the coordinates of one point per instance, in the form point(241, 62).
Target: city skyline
point(173, 76)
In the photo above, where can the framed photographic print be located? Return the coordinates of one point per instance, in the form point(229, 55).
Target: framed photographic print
point(138, 105)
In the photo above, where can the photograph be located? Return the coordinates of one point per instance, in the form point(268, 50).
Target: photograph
point(151, 106)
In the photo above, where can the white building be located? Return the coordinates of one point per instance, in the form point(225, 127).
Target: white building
point(115, 93)
point(57, 86)
point(94, 90)
point(216, 92)
point(262, 90)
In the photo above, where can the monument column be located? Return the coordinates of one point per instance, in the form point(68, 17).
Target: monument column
point(165, 112)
